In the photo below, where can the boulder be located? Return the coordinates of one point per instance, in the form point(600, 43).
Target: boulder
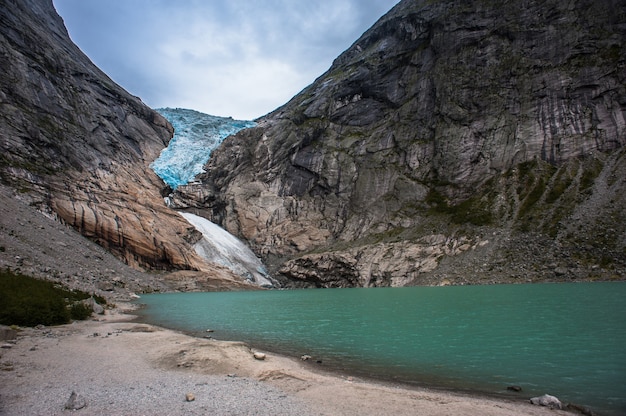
point(96, 307)
point(548, 401)
point(7, 333)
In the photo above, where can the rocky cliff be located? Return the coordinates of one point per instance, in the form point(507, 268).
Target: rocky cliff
point(77, 146)
point(453, 142)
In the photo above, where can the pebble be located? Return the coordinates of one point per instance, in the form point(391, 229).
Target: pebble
point(75, 402)
point(190, 397)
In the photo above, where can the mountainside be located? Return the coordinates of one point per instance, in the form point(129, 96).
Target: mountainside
point(451, 143)
point(77, 147)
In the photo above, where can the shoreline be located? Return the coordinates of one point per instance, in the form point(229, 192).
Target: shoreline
point(120, 366)
point(344, 373)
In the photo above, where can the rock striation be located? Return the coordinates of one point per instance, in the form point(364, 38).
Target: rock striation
point(451, 143)
point(78, 147)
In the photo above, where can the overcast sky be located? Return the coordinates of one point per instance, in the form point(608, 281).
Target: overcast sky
point(238, 58)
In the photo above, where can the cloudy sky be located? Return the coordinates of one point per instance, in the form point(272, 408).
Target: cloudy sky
point(238, 58)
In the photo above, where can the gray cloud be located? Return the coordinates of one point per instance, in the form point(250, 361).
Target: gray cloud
point(239, 58)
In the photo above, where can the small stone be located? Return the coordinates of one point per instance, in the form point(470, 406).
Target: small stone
point(305, 357)
point(190, 397)
point(6, 346)
point(210, 330)
point(259, 356)
point(75, 402)
point(7, 367)
point(514, 388)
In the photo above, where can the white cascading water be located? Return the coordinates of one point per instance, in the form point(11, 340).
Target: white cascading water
point(195, 136)
point(221, 247)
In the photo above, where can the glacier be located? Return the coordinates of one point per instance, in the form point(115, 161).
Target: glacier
point(221, 247)
point(196, 135)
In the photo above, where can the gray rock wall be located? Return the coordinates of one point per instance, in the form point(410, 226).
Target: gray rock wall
point(431, 108)
point(77, 145)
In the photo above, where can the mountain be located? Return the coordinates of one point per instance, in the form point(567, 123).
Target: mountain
point(453, 142)
point(77, 147)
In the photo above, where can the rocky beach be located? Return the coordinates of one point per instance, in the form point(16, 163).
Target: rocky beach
point(111, 365)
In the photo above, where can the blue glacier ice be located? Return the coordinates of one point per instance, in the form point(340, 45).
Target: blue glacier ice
point(195, 136)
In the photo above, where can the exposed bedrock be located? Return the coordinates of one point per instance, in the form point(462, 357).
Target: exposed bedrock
point(494, 123)
point(78, 146)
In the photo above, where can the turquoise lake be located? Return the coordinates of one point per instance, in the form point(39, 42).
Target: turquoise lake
point(568, 340)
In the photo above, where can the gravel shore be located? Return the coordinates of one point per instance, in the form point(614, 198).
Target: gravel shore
point(119, 367)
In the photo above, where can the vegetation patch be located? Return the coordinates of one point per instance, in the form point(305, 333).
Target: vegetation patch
point(532, 198)
point(475, 210)
point(27, 301)
point(590, 173)
point(561, 182)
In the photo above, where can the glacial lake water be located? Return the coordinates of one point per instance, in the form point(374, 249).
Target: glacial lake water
point(568, 340)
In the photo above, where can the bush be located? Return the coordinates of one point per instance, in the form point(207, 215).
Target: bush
point(27, 301)
point(80, 311)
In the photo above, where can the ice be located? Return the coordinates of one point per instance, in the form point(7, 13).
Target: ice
point(195, 136)
point(221, 247)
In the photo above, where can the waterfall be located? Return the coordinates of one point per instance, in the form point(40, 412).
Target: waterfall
point(221, 247)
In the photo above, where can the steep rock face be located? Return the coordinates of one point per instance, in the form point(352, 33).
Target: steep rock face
point(417, 130)
point(78, 145)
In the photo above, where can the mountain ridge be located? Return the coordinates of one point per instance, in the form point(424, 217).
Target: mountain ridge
point(77, 147)
point(443, 126)
point(447, 145)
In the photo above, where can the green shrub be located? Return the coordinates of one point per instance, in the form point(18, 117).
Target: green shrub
point(27, 301)
point(80, 311)
point(473, 210)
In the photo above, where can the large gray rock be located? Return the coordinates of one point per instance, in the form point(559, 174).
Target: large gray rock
point(548, 401)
